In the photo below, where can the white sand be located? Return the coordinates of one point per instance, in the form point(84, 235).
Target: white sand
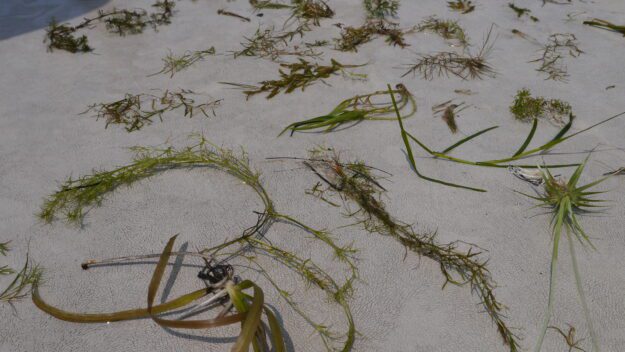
point(399, 306)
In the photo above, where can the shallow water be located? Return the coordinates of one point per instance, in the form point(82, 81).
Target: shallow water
point(23, 16)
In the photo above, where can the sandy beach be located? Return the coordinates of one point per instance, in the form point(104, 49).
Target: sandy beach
point(397, 303)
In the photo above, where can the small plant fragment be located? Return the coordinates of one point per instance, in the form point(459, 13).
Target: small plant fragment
point(448, 113)
point(173, 64)
point(533, 177)
point(75, 196)
point(527, 108)
point(521, 152)
point(304, 10)
point(354, 182)
point(605, 25)
point(135, 111)
point(269, 44)
point(232, 14)
point(569, 338)
point(352, 37)
point(381, 9)
point(553, 54)
point(565, 199)
point(357, 109)
point(448, 29)
point(301, 75)
point(520, 12)
point(462, 6)
point(464, 91)
point(466, 65)
point(249, 308)
point(118, 21)
point(20, 286)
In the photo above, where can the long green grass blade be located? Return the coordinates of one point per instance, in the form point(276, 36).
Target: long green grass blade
point(528, 139)
point(404, 136)
point(580, 290)
point(466, 139)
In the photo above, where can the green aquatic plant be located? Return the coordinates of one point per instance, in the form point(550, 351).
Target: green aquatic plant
point(466, 65)
point(603, 24)
point(354, 182)
point(566, 200)
point(356, 109)
point(448, 29)
point(521, 11)
point(381, 8)
point(352, 37)
point(77, 195)
point(61, 37)
point(118, 21)
point(249, 308)
point(304, 10)
point(19, 287)
point(301, 75)
point(173, 64)
point(521, 153)
point(269, 44)
point(553, 54)
point(462, 6)
point(527, 108)
point(132, 113)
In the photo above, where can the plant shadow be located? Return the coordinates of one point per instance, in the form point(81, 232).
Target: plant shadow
point(19, 16)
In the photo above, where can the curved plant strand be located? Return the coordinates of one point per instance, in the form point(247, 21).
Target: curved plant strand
point(75, 196)
point(356, 109)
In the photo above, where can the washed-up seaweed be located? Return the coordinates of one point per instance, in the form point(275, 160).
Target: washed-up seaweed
point(465, 65)
point(135, 111)
point(19, 287)
point(77, 195)
point(173, 64)
point(527, 108)
point(301, 75)
point(521, 153)
point(357, 109)
point(448, 112)
point(118, 21)
point(381, 9)
point(447, 29)
point(354, 182)
point(352, 37)
point(553, 54)
point(267, 43)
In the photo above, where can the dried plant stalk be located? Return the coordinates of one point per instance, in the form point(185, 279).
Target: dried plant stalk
point(269, 44)
point(553, 55)
point(232, 14)
point(301, 74)
point(130, 111)
point(465, 66)
point(76, 195)
point(173, 64)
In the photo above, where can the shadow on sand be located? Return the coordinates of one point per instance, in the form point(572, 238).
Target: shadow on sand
point(23, 16)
